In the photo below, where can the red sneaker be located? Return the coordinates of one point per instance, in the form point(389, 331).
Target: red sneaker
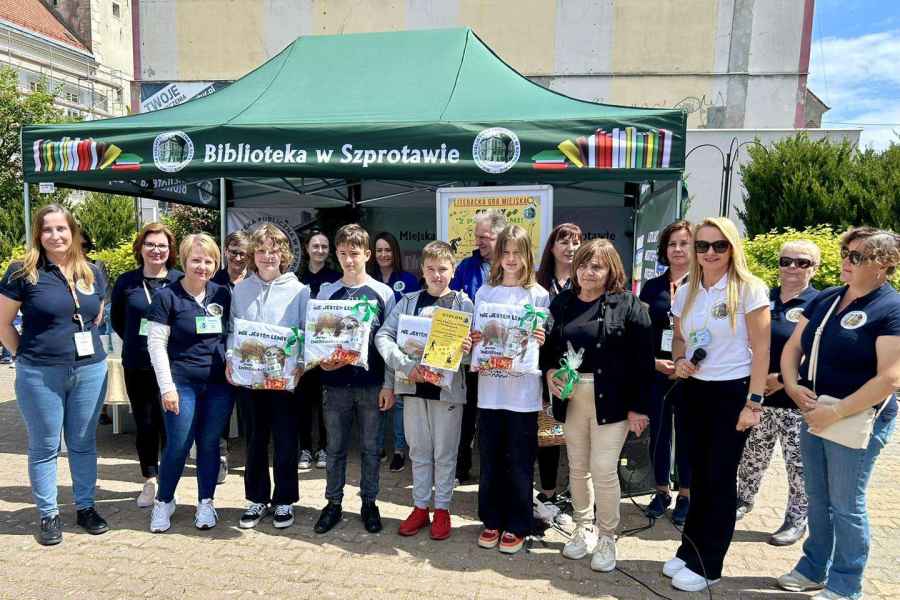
point(489, 538)
point(510, 543)
point(440, 527)
point(416, 520)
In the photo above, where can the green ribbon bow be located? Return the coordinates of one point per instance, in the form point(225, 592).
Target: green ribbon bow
point(571, 377)
point(295, 339)
point(534, 315)
point(365, 309)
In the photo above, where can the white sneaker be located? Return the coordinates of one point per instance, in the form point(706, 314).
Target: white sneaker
point(223, 470)
point(583, 542)
point(829, 595)
point(604, 558)
point(306, 460)
point(795, 582)
point(147, 496)
point(321, 459)
point(672, 566)
point(544, 511)
point(161, 517)
point(206, 516)
point(688, 581)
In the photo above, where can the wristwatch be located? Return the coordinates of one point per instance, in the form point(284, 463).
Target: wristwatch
point(754, 401)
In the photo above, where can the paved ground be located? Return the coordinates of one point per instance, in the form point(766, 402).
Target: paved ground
point(226, 562)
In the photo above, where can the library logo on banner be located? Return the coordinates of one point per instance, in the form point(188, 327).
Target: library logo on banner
point(172, 151)
point(496, 150)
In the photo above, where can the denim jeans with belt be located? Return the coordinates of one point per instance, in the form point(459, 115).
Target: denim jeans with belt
point(836, 551)
point(55, 401)
point(203, 411)
point(339, 404)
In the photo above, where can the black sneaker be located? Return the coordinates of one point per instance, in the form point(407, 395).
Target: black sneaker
point(659, 505)
point(283, 517)
point(680, 512)
point(463, 475)
point(371, 517)
point(255, 512)
point(330, 516)
point(382, 456)
point(398, 462)
point(90, 521)
point(50, 532)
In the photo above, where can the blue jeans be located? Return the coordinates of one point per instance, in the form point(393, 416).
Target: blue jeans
point(339, 404)
point(55, 401)
point(396, 412)
point(203, 411)
point(837, 548)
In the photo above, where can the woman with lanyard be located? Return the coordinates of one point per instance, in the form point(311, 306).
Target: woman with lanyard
point(674, 253)
point(61, 367)
point(314, 271)
point(848, 341)
point(132, 295)
point(555, 275)
point(604, 397)
point(186, 342)
point(780, 419)
point(721, 350)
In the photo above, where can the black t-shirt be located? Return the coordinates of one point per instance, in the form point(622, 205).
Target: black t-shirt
point(315, 280)
point(129, 305)
point(429, 391)
point(784, 319)
point(580, 322)
point(193, 357)
point(48, 327)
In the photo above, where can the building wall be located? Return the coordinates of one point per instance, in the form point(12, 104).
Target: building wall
point(112, 46)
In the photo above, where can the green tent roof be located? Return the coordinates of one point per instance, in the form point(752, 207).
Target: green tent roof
point(412, 105)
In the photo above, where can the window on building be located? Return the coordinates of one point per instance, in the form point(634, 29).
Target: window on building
point(72, 97)
point(115, 9)
point(33, 86)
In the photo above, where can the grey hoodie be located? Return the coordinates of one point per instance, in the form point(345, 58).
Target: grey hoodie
point(279, 302)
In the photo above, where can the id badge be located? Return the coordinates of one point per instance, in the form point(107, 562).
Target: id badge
point(666, 342)
point(84, 343)
point(209, 324)
point(144, 328)
point(700, 338)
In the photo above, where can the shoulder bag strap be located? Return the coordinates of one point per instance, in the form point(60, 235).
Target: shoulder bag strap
point(817, 341)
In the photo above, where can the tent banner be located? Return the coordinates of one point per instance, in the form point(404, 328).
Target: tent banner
point(290, 221)
point(155, 96)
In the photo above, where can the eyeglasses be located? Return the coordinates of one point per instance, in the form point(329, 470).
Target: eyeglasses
point(237, 253)
point(856, 257)
point(157, 247)
point(719, 246)
point(787, 261)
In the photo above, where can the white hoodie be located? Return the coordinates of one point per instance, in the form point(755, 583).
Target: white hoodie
point(281, 301)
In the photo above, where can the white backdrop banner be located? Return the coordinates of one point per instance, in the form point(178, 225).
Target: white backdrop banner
point(289, 220)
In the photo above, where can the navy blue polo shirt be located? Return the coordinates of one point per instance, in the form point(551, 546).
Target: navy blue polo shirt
point(48, 329)
point(401, 283)
point(129, 305)
point(193, 357)
point(847, 357)
point(785, 316)
point(657, 295)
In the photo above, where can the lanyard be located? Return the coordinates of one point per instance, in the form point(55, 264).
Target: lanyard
point(673, 289)
point(147, 290)
point(76, 314)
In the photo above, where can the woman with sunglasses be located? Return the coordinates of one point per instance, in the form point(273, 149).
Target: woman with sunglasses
point(780, 420)
point(721, 350)
point(857, 360)
point(154, 252)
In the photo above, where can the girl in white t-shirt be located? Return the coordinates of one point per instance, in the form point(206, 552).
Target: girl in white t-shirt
point(508, 405)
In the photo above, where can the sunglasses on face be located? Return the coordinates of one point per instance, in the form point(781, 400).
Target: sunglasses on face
point(855, 256)
point(787, 261)
point(719, 246)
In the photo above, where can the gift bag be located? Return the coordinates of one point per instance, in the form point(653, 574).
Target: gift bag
point(412, 333)
point(338, 330)
point(264, 357)
point(506, 340)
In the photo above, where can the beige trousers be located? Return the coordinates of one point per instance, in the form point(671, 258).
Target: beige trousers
point(594, 452)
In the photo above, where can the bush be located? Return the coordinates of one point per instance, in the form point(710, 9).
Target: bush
point(763, 252)
point(184, 220)
point(17, 253)
point(107, 219)
point(117, 260)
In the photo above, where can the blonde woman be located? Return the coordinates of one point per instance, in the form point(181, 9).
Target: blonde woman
point(186, 342)
point(721, 350)
point(60, 367)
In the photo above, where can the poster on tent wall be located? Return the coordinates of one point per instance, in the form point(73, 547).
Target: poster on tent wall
point(530, 207)
point(658, 208)
point(290, 221)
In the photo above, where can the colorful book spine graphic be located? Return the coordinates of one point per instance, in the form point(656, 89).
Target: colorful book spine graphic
point(620, 148)
point(80, 155)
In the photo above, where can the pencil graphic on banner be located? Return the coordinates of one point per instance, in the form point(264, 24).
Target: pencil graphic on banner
point(110, 154)
point(569, 148)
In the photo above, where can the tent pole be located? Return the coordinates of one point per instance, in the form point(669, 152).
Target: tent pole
point(27, 205)
point(223, 214)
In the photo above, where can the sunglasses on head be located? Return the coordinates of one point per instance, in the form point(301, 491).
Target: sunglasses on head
point(719, 246)
point(856, 257)
point(802, 263)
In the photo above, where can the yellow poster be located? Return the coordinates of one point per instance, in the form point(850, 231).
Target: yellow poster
point(443, 348)
point(520, 209)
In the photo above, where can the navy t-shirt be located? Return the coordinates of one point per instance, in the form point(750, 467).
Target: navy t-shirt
point(847, 357)
point(784, 319)
point(193, 357)
point(657, 295)
point(401, 283)
point(48, 327)
point(129, 305)
point(315, 280)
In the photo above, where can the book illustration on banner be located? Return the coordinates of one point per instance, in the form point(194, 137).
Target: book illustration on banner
point(620, 148)
point(338, 330)
point(412, 335)
point(82, 155)
point(506, 342)
point(264, 357)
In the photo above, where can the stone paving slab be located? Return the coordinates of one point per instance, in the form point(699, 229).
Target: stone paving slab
point(227, 562)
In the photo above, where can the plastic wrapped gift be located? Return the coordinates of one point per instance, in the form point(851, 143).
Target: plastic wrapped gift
point(338, 330)
point(264, 357)
point(506, 340)
point(412, 333)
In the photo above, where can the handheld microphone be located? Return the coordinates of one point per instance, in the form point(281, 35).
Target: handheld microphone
point(699, 354)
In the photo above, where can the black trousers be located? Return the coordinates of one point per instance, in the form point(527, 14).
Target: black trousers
point(143, 394)
point(711, 414)
point(508, 445)
point(272, 415)
point(467, 432)
point(667, 417)
point(548, 466)
point(308, 395)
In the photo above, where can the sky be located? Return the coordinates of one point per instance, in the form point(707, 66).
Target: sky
point(855, 66)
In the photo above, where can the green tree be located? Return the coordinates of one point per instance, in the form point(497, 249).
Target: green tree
point(184, 220)
point(107, 219)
